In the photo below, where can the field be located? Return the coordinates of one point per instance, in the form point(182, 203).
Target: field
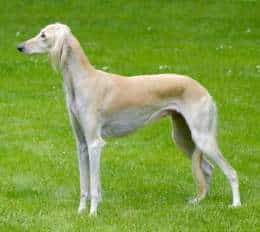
point(146, 180)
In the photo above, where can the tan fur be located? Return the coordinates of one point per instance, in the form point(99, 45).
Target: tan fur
point(197, 171)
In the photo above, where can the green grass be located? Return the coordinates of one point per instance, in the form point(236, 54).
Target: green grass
point(146, 180)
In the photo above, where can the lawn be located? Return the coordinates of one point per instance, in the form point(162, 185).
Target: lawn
point(146, 180)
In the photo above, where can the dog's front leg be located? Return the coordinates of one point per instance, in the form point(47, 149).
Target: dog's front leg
point(83, 159)
point(89, 117)
point(95, 150)
point(95, 143)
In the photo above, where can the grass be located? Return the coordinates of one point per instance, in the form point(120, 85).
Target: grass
point(146, 180)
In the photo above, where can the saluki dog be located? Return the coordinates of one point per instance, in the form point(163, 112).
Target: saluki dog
point(104, 105)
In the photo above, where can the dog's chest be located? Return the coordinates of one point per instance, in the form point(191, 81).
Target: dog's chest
point(76, 101)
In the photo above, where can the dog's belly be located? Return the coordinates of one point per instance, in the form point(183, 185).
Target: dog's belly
point(126, 122)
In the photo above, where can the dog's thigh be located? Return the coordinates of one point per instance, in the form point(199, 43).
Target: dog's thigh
point(182, 135)
point(183, 139)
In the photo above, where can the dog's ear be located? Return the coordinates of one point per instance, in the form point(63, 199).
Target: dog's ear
point(59, 50)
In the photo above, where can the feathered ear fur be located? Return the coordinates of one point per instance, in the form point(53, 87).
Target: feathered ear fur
point(59, 51)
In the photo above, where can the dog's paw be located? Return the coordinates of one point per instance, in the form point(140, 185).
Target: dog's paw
point(93, 213)
point(235, 205)
point(81, 210)
point(194, 201)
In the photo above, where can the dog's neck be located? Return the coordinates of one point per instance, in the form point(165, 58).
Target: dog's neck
point(76, 62)
point(76, 66)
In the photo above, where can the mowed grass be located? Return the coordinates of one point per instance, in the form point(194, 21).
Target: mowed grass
point(146, 180)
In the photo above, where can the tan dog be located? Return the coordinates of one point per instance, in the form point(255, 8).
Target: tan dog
point(103, 104)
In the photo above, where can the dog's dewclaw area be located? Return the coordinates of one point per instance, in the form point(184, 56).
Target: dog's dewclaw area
point(147, 182)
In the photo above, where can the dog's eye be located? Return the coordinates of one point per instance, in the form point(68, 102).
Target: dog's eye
point(43, 35)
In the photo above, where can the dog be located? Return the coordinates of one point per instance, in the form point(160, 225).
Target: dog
point(102, 105)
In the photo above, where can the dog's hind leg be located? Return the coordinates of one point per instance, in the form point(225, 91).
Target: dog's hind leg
point(208, 145)
point(202, 169)
point(203, 129)
point(197, 170)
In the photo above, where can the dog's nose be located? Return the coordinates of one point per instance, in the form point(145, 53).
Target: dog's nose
point(20, 48)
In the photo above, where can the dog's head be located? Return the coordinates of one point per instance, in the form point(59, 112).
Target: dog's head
point(51, 40)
